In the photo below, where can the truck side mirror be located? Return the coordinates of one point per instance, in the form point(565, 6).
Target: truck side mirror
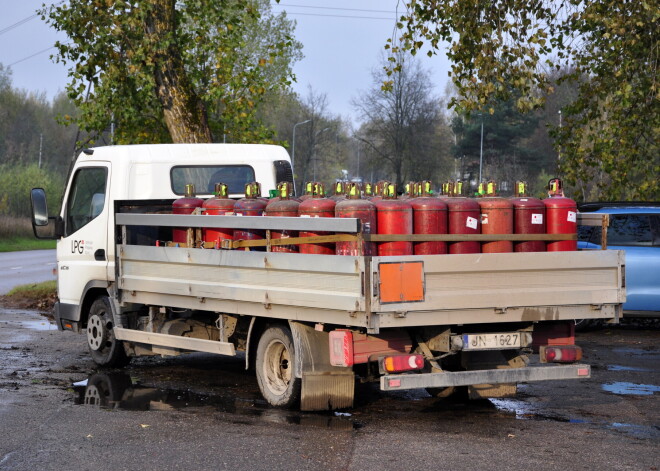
point(44, 227)
point(39, 207)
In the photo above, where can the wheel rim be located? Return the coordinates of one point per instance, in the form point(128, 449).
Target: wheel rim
point(92, 396)
point(96, 332)
point(277, 367)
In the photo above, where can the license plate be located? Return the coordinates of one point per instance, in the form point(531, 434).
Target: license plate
point(492, 341)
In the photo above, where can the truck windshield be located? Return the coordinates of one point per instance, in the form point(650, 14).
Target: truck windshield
point(205, 177)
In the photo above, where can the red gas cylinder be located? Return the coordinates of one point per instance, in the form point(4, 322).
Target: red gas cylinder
point(463, 216)
point(251, 205)
point(220, 205)
point(394, 217)
point(339, 192)
point(408, 191)
point(365, 211)
point(561, 214)
point(528, 218)
point(368, 190)
point(284, 207)
point(429, 217)
point(317, 207)
point(378, 191)
point(496, 218)
point(185, 205)
point(309, 191)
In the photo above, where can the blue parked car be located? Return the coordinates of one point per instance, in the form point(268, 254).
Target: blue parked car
point(634, 228)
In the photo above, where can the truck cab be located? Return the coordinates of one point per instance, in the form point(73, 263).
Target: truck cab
point(84, 229)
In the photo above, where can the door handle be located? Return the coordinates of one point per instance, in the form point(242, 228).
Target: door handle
point(99, 255)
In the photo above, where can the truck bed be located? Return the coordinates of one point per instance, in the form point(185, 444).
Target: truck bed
point(356, 291)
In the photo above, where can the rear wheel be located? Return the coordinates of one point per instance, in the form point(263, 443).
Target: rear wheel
point(104, 348)
point(275, 368)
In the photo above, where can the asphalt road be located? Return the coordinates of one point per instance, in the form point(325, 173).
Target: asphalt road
point(202, 412)
point(21, 268)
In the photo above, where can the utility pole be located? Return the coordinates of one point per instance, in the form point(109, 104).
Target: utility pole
point(41, 146)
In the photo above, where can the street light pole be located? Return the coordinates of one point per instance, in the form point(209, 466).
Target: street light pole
point(481, 150)
point(314, 150)
point(293, 152)
point(559, 153)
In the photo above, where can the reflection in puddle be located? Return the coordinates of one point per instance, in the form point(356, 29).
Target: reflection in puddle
point(117, 391)
point(631, 388)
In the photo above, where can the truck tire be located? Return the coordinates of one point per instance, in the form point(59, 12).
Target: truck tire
point(103, 347)
point(275, 368)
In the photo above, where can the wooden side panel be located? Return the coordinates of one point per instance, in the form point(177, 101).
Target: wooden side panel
point(507, 280)
point(318, 281)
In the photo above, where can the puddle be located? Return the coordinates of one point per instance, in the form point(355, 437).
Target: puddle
point(38, 325)
point(631, 388)
point(524, 411)
point(117, 391)
point(27, 319)
point(638, 352)
point(639, 431)
point(625, 368)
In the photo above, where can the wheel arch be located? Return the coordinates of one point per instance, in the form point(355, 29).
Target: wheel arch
point(93, 290)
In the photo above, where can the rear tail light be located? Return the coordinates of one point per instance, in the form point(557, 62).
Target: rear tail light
point(401, 363)
point(341, 348)
point(560, 354)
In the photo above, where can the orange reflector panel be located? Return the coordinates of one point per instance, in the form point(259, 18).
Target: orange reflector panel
point(401, 282)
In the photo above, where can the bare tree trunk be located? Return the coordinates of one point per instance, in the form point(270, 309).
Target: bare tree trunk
point(184, 112)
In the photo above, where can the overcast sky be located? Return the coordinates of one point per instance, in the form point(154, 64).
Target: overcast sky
point(342, 42)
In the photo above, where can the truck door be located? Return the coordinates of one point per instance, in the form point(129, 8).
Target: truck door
point(82, 253)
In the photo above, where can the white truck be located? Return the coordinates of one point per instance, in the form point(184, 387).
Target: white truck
point(309, 324)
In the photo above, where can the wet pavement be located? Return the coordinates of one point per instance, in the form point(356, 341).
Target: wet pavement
point(200, 411)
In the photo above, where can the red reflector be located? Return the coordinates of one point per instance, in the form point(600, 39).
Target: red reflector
point(395, 383)
point(560, 354)
point(583, 372)
point(341, 348)
point(399, 363)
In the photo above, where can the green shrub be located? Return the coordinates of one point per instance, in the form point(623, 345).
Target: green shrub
point(16, 181)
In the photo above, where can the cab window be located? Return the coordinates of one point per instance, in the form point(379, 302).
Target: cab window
point(86, 198)
point(205, 177)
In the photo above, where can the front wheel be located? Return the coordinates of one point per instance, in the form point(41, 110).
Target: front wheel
point(275, 368)
point(104, 348)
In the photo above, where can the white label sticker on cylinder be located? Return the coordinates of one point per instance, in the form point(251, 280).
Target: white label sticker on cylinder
point(484, 219)
point(472, 223)
point(571, 216)
point(537, 218)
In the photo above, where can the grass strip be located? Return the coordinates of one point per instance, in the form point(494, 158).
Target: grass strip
point(14, 244)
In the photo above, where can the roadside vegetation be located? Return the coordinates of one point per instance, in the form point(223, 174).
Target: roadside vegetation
point(16, 234)
point(40, 296)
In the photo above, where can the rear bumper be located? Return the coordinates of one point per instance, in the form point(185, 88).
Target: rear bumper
point(467, 378)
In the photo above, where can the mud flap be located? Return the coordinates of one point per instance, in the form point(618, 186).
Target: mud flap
point(492, 360)
point(324, 387)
